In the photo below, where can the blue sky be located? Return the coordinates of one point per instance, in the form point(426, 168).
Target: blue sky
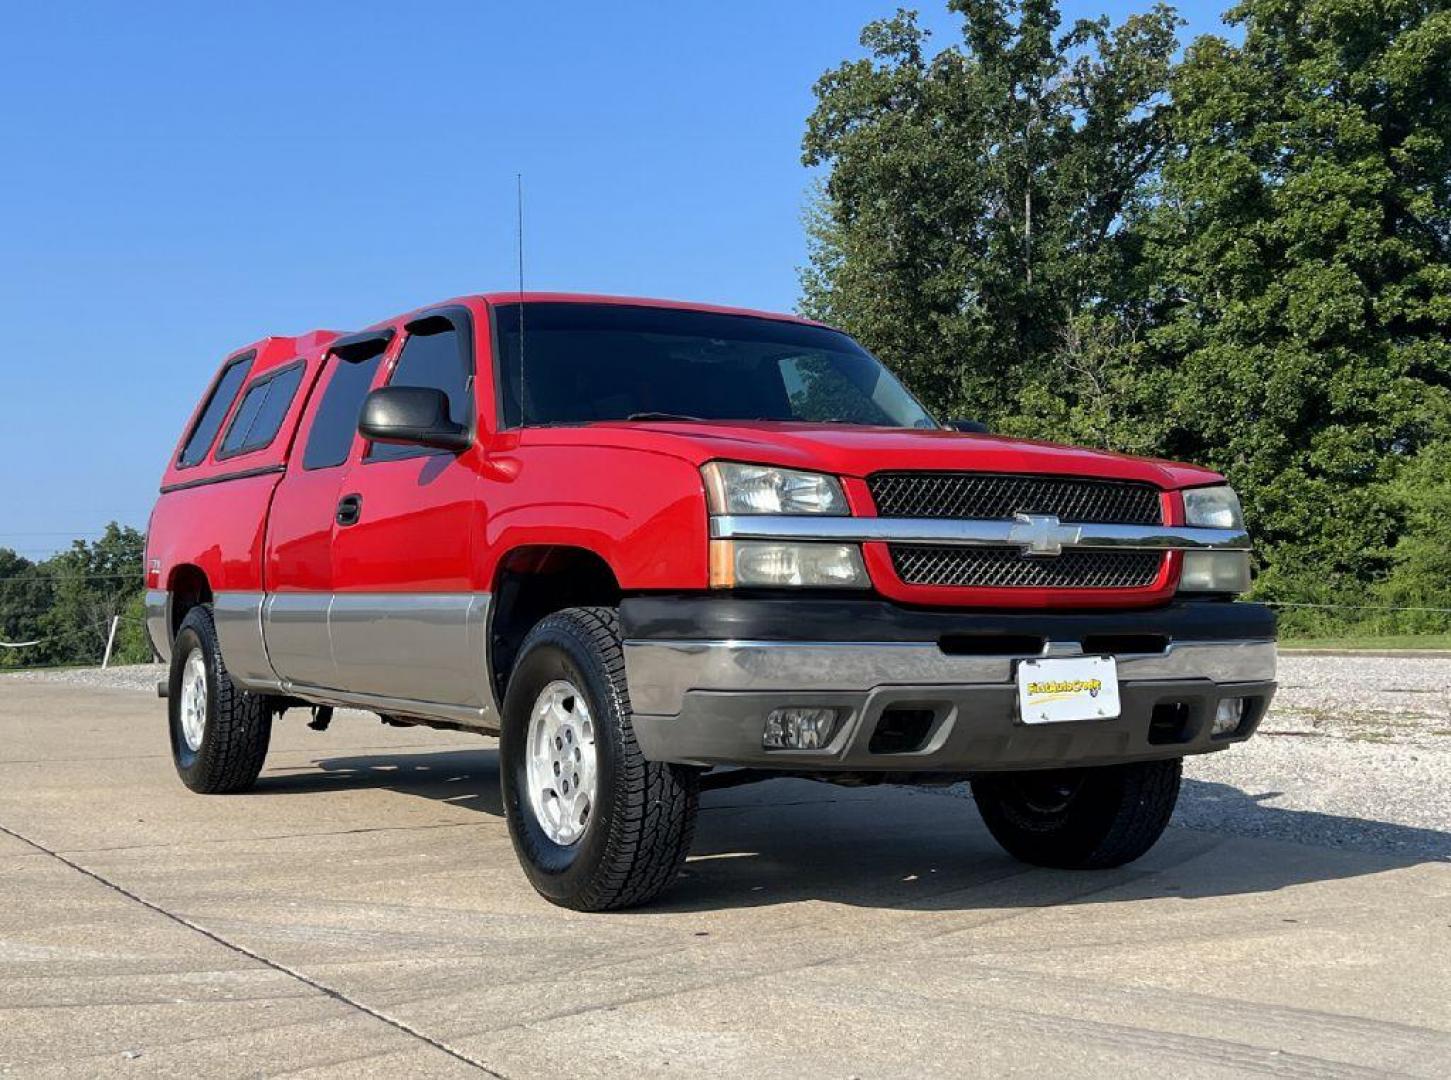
point(180, 178)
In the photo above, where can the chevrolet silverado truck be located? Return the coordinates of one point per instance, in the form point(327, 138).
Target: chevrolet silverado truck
point(655, 546)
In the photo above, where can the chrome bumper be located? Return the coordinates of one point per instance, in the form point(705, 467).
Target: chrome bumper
point(705, 703)
point(661, 673)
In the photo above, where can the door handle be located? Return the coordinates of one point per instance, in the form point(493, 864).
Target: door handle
point(350, 508)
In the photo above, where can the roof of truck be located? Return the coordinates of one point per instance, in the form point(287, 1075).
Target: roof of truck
point(515, 296)
point(278, 349)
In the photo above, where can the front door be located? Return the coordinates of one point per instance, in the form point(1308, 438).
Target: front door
point(406, 622)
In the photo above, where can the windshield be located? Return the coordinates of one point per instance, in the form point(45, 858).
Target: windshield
point(588, 362)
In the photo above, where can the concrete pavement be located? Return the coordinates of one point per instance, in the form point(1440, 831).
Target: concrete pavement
point(361, 914)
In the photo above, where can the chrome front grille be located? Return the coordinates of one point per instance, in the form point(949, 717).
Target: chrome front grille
point(1008, 568)
point(997, 497)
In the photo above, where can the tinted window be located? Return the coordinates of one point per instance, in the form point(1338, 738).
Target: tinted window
point(336, 422)
point(431, 360)
point(588, 362)
point(262, 411)
point(215, 411)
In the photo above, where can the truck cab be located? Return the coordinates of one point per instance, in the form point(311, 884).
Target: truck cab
point(653, 546)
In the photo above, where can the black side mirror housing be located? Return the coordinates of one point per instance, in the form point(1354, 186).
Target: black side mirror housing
point(972, 426)
point(411, 416)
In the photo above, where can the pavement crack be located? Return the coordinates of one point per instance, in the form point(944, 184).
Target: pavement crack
point(242, 950)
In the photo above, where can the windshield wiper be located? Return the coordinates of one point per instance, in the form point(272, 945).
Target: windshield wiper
point(663, 416)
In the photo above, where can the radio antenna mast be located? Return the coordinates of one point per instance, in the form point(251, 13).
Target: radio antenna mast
point(519, 227)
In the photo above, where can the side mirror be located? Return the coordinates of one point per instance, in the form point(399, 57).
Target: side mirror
point(972, 426)
point(412, 416)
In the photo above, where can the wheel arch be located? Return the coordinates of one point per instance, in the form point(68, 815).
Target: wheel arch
point(533, 581)
point(187, 586)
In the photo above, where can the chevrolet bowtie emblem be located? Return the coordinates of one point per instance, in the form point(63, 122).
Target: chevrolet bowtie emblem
point(1041, 535)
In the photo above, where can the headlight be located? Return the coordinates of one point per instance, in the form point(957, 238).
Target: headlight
point(1213, 507)
point(769, 564)
point(735, 488)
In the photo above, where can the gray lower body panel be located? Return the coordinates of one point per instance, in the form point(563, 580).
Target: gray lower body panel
point(417, 646)
point(158, 622)
point(295, 627)
point(410, 654)
point(238, 618)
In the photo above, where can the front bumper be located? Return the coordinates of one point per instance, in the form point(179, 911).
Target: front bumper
point(932, 692)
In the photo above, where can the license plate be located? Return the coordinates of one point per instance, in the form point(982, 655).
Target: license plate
point(1072, 688)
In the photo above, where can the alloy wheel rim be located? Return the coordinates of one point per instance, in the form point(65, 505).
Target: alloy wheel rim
point(560, 762)
point(194, 700)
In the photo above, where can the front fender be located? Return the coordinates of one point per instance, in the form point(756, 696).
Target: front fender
point(643, 513)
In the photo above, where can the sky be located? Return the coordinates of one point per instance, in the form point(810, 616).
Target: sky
point(179, 179)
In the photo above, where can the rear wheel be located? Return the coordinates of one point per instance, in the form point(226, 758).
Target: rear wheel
point(594, 824)
point(1079, 819)
point(219, 734)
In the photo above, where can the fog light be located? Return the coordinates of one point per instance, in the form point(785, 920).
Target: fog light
point(1215, 572)
point(1228, 715)
point(798, 729)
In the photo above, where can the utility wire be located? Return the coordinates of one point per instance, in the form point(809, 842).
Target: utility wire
point(43, 576)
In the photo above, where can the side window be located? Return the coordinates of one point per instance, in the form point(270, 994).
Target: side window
point(262, 411)
point(224, 392)
point(433, 356)
point(335, 424)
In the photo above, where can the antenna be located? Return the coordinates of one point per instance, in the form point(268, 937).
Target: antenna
point(519, 203)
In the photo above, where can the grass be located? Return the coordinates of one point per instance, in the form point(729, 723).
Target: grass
point(1371, 643)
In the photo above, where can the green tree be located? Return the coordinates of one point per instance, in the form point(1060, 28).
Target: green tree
point(970, 228)
point(24, 596)
point(92, 582)
point(1421, 559)
point(1298, 256)
point(68, 601)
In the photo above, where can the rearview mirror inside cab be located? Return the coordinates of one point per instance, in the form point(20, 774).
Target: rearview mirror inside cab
point(411, 416)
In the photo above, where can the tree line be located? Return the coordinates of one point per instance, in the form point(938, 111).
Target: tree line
point(1238, 255)
point(67, 602)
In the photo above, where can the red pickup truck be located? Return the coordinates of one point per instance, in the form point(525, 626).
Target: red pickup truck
point(654, 546)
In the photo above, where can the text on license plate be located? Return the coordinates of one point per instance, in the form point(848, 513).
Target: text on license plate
point(1070, 688)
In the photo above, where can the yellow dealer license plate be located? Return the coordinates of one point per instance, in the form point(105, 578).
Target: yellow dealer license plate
point(1072, 688)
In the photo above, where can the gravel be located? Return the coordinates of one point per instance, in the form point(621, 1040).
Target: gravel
point(1355, 754)
point(123, 677)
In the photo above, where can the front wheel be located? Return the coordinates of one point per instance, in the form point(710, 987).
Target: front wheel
point(1079, 819)
point(219, 734)
point(595, 825)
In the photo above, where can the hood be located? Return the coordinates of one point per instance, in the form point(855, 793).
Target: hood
point(849, 450)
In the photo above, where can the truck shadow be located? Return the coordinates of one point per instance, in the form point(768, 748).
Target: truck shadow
point(890, 847)
point(463, 778)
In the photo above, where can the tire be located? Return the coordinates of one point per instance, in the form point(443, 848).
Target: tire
point(226, 755)
point(1080, 819)
point(634, 818)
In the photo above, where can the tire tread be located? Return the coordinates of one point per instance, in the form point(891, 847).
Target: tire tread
point(234, 747)
point(651, 831)
point(1119, 818)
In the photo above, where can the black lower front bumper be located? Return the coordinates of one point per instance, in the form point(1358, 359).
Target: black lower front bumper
point(932, 691)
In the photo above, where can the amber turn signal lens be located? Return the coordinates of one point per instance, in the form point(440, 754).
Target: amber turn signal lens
point(722, 564)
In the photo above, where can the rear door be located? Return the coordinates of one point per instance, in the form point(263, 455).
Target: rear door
point(304, 511)
point(406, 621)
